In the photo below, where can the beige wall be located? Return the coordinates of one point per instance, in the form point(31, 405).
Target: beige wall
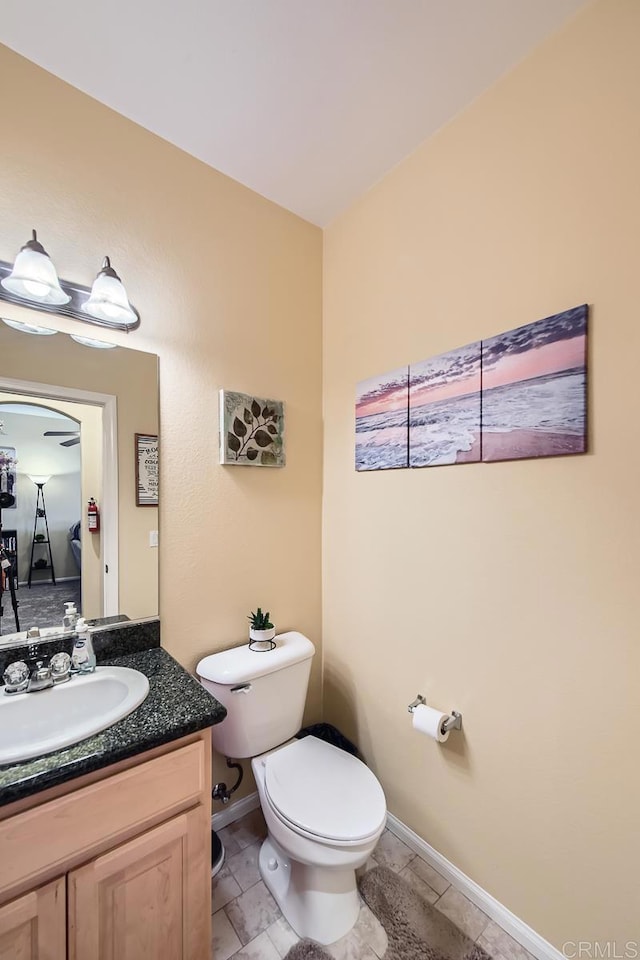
point(132, 377)
point(229, 289)
point(508, 591)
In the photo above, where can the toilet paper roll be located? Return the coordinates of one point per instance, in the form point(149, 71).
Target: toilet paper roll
point(429, 721)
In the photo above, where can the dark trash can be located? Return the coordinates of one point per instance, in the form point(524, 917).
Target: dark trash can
point(330, 734)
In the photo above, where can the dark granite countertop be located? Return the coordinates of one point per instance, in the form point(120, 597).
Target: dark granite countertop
point(176, 706)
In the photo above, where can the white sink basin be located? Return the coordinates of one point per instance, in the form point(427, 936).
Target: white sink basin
point(32, 724)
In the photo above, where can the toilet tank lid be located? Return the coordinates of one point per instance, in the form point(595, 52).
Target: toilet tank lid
point(241, 665)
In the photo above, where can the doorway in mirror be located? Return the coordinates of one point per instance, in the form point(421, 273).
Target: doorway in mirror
point(57, 441)
point(108, 396)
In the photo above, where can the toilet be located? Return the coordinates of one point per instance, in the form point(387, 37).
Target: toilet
point(324, 809)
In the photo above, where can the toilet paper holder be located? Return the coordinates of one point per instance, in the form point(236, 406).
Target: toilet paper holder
point(453, 722)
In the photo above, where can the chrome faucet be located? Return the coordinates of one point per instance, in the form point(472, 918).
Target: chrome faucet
point(22, 678)
point(40, 677)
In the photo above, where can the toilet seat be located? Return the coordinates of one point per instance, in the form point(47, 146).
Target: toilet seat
point(324, 793)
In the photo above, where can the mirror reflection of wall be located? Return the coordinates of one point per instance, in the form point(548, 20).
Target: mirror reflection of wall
point(131, 377)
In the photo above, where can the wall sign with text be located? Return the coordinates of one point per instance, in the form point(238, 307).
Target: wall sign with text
point(146, 470)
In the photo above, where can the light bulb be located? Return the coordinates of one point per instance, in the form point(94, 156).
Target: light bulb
point(35, 288)
point(111, 310)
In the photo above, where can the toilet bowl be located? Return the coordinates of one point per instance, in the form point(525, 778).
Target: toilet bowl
point(325, 811)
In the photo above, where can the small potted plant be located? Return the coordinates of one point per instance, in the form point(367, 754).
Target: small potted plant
point(261, 631)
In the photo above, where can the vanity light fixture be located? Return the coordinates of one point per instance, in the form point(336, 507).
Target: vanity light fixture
point(32, 282)
point(34, 277)
point(29, 328)
point(108, 300)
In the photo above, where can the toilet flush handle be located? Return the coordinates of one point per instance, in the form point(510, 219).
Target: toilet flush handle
point(241, 688)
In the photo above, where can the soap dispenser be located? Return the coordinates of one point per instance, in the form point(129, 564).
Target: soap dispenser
point(70, 618)
point(83, 658)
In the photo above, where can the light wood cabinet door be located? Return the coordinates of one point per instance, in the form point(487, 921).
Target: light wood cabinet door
point(34, 927)
point(149, 898)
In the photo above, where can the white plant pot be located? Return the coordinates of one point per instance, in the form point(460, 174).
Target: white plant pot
point(261, 639)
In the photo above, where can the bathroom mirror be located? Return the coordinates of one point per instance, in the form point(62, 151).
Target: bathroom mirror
point(71, 413)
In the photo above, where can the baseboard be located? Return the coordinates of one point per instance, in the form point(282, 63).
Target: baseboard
point(46, 583)
point(519, 930)
point(235, 811)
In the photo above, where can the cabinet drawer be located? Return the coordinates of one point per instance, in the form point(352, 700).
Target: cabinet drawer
point(69, 830)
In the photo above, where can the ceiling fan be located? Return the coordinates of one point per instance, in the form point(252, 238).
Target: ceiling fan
point(74, 434)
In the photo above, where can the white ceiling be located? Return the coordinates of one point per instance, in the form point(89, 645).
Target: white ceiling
point(34, 410)
point(308, 102)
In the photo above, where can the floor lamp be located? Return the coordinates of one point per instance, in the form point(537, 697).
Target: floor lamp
point(41, 514)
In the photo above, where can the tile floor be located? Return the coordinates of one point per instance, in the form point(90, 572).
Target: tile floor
point(247, 924)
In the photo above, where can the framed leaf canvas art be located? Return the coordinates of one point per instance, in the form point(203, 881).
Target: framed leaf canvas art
point(251, 430)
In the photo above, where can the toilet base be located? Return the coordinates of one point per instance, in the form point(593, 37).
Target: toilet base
point(320, 903)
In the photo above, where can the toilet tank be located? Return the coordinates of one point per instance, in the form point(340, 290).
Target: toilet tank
point(264, 693)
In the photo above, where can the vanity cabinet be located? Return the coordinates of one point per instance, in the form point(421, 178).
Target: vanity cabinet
point(134, 901)
point(116, 868)
point(34, 926)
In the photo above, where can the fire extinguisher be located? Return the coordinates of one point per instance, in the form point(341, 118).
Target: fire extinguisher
point(93, 516)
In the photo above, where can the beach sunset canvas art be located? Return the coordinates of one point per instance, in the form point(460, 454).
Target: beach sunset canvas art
point(382, 422)
point(534, 389)
point(444, 408)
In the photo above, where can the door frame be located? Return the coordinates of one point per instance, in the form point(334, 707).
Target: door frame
point(109, 505)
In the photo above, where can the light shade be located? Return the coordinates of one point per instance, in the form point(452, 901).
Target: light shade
point(34, 276)
point(38, 479)
point(108, 301)
point(29, 328)
point(89, 342)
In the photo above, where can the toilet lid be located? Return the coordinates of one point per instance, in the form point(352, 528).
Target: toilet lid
point(324, 790)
